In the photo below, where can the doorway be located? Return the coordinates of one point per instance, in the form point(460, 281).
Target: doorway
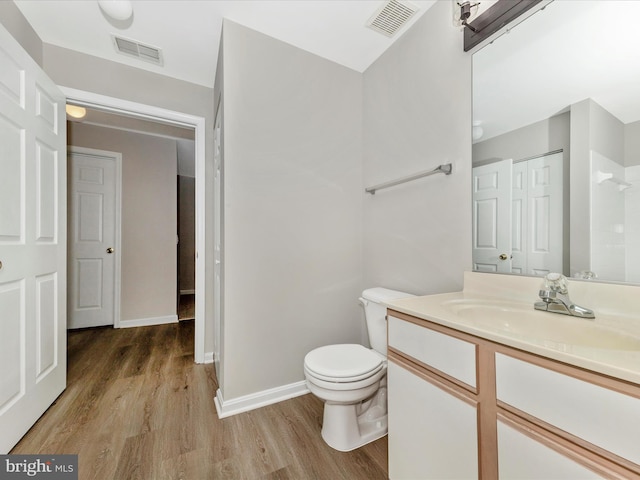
point(186, 252)
point(517, 216)
point(168, 117)
point(93, 271)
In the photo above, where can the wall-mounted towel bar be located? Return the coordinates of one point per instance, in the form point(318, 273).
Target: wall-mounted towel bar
point(446, 169)
point(602, 176)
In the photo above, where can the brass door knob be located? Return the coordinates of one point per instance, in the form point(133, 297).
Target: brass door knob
point(503, 256)
point(110, 250)
point(0, 265)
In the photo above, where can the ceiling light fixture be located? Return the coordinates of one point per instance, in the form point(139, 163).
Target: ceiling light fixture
point(463, 12)
point(117, 9)
point(75, 111)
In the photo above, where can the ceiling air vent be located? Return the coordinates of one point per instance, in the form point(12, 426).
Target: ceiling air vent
point(391, 16)
point(139, 50)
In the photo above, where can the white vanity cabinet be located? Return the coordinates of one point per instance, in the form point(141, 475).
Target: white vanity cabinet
point(461, 406)
point(597, 413)
point(433, 428)
point(433, 403)
point(432, 433)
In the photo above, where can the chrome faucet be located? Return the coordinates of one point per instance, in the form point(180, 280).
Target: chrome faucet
point(554, 293)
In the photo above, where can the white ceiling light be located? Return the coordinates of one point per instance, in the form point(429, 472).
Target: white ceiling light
point(116, 9)
point(76, 111)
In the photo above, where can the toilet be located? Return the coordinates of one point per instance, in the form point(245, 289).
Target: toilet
point(352, 379)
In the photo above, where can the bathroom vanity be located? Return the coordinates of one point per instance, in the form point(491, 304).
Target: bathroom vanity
point(483, 386)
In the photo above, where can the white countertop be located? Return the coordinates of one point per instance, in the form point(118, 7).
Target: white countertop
point(610, 344)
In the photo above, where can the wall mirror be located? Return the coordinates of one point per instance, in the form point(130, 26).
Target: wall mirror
point(556, 152)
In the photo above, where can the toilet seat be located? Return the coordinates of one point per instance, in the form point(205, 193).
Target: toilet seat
point(343, 363)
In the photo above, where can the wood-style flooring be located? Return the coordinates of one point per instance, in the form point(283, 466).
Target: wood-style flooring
point(137, 407)
point(186, 306)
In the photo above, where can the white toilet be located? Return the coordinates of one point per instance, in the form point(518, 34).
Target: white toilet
point(352, 379)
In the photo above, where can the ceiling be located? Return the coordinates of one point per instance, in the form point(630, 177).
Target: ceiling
point(188, 31)
point(566, 53)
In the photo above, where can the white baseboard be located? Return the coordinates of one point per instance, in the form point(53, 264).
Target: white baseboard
point(187, 292)
point(208, 357)
point(145, 322)
point(258, 399)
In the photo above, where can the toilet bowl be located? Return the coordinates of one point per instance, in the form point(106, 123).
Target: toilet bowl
point(348, 378)
point(351, 380)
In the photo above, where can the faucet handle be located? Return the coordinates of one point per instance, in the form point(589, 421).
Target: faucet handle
point(555, 282)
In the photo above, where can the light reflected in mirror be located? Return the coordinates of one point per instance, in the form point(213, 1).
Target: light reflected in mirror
point(556, 178)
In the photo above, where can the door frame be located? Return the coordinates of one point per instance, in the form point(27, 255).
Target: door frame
point(153, 113)
point(117, 272)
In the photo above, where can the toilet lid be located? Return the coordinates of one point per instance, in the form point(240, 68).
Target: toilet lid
point(342, 363)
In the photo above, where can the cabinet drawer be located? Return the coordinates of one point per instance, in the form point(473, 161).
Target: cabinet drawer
point(520, 456)
point(603, 417)
point(450, 355)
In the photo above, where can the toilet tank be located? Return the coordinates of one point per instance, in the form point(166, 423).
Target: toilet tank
point(375, 314)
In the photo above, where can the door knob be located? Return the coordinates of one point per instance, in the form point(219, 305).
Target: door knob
point(504, 256)
point(110, 250)
point(0, 265)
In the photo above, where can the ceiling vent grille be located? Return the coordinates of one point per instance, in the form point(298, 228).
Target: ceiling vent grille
point(391, 16)
point(138, 50)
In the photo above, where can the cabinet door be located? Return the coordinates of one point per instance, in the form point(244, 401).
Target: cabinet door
point(521, 457)
point(432, 433)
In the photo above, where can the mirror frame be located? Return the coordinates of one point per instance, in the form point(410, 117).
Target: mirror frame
point(496, 17)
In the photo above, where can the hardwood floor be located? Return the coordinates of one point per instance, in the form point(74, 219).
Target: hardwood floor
point(187, 307)
point(137, 407)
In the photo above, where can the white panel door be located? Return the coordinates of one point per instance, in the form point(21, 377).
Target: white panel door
point(519, 218)
point(93, 252)
point(217, 241)
point(32, 242)
point(544, 244)
point(492, 217)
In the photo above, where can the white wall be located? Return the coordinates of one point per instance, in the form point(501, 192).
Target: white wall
point(417, 115)
point(293, 209)
point(608, 259)
point(149, 217)
point(18, 26)
point(632, 224)
point(592, 128)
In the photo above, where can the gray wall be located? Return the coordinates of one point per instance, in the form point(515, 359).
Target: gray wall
point(417, 115)
point(149, 216)
point(293, 209)
point(187, 233)
point(13, 20)
point(533, 140)
point(85, 72)
point(632, 144)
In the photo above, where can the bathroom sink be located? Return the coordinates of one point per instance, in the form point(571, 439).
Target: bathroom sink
point(521, 321)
